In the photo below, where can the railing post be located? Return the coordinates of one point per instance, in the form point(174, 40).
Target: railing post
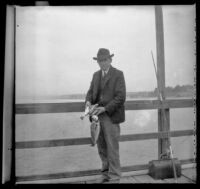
point(8, 163)
point(163, 125)
point(163, 120)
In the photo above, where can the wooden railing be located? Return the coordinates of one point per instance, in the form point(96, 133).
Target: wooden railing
point(40, 108)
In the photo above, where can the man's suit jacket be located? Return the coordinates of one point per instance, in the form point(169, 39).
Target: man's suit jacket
point(113, 94)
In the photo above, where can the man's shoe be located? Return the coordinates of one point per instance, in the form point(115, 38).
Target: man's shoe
point(105, 180)
point(113, 181)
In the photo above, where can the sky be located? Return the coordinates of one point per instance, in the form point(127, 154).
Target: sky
point(55, 46)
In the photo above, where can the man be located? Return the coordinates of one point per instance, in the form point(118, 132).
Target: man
point(108, 90)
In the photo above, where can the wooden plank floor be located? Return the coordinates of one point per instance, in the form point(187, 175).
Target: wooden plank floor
point(144, 179)
point(188, 176)
point(190, 173)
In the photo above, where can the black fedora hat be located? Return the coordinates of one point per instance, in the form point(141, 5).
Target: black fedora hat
point(103, 54)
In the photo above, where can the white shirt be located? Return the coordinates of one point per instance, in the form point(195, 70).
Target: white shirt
point(105, 72)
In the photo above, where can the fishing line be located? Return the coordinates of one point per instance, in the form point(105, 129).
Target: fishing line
point(160, 98)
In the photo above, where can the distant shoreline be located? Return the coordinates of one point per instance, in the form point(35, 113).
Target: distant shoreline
point(170, 92)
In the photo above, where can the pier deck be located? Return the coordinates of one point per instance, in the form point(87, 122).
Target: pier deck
point(188, 175)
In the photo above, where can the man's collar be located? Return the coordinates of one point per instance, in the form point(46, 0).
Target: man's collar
point(106, 70)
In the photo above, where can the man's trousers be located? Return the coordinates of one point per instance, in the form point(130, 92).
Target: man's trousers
point(108, 147)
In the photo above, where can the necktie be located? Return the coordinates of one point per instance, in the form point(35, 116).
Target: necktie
point(104, 74)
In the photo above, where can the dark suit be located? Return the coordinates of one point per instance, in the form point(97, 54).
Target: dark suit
point(109, 92)
point(113, 94)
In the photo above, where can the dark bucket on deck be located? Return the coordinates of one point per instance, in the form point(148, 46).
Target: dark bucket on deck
point(162, 169)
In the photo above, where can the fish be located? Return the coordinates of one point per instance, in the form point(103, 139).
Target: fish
point(88, 111)
point(95, 124)
point(94, 130)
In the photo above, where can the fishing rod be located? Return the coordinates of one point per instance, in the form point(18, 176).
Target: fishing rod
point(160, 97)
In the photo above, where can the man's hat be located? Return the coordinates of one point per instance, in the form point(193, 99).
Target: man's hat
point(103, 54)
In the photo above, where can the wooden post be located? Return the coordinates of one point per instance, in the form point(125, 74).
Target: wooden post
point(163, 125)
point(8, 98)
point(163, 120)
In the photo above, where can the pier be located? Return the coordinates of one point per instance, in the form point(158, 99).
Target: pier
point(130, 174)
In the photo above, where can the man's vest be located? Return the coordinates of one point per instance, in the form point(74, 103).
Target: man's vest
point(100, 90)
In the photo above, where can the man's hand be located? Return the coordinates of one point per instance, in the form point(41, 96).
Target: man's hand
point(98, 110)
point(88, 104)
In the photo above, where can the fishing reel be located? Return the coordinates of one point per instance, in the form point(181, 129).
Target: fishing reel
point(94, 118)
point(165, 155)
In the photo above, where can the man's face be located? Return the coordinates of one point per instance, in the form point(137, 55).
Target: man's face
point(105, 63)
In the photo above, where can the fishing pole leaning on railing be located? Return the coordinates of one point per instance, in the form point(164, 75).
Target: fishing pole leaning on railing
point(160, 98)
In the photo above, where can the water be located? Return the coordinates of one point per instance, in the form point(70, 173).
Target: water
point(32, 100)
point(84, 157)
